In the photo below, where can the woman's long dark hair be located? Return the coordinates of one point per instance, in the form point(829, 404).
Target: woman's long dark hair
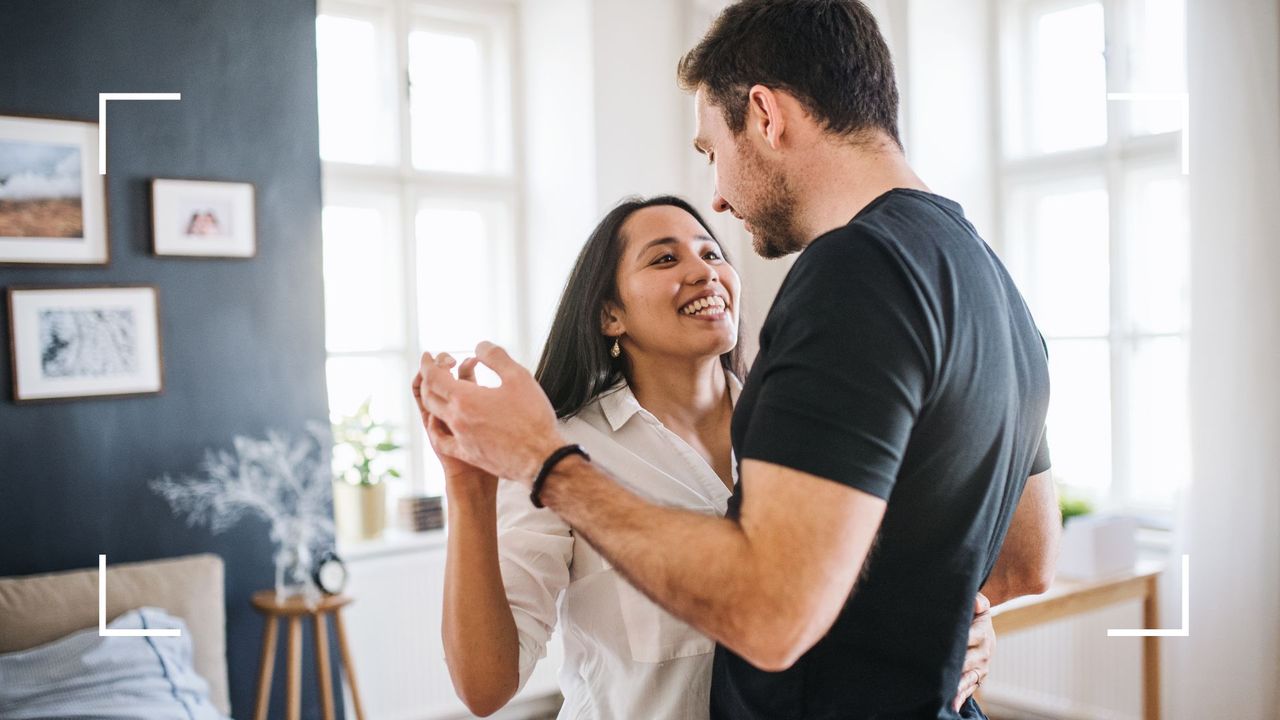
point(575, 365)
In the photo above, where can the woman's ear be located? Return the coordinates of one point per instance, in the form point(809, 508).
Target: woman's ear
point(611, 323)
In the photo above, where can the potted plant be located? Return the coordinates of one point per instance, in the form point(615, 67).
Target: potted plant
point(1093, 545)
point(361, 465)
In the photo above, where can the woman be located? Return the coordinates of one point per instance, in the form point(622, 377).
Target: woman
point(642, 368)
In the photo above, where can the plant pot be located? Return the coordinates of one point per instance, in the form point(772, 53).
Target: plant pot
point(360, 510)
point(1097, 545)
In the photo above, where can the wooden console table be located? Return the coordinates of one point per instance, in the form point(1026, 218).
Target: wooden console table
point(295, 608)
point(1074, 597)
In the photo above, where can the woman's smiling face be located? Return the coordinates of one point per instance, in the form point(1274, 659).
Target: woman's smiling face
point(679, 295)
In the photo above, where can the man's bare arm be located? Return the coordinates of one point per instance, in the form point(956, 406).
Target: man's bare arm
point(1026, 562)
point(767, 586)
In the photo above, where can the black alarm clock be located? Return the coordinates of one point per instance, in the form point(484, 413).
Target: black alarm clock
point(330, 573)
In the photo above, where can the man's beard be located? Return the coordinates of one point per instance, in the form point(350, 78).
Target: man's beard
point(773, 230)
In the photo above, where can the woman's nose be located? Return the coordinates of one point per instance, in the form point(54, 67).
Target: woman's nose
point(703, 271)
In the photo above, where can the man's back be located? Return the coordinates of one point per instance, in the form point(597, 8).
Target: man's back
point(900, 360)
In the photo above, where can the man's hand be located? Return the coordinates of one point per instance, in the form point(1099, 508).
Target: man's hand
point(507, 431)
point(460, 477)
point(977, 659)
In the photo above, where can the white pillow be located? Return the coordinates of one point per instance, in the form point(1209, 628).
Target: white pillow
point(84, 675)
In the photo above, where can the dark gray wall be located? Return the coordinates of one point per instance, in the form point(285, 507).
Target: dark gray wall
point(243, 340)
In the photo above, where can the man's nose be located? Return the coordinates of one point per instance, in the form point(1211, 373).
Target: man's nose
point(719, 204)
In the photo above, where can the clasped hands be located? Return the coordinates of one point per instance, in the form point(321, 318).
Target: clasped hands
point(506, 431)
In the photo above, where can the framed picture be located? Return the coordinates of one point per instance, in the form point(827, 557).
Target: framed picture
point(52, 199)
point(75, 342)
point(203, 218)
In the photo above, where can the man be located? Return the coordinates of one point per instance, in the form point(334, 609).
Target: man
point(886, 432)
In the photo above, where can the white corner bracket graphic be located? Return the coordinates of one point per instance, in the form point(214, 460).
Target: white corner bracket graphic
point(102, 612)
point(102, 118)
point(1185, 630)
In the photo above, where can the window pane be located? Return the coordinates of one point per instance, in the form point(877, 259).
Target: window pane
point(382, 380)
point(1069, 79)
point(1067, 283)
point(362, 285)
point(1079, 424)
point(356, 115)
point(1159, 453)
point(1159, 64)
point(465, 278)
point(447, 102)
point(1158, 255)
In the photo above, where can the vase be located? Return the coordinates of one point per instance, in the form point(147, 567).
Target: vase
point(294, 563)
point(360, 510)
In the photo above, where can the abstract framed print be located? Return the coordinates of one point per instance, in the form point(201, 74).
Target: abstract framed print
point(79, 342)
point(203, 218)
point(52, 199)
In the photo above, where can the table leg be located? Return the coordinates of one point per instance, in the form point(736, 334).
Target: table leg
point(1150, 655)
point(322, 665)
point(346, 663)
point(293, 695)
point(266, 665)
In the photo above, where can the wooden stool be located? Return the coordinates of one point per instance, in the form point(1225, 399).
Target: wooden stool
point(294, 608)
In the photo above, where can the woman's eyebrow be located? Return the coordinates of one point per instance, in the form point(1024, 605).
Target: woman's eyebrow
point(669, 241)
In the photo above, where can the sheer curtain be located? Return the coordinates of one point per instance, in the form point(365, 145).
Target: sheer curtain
point(1229, 666)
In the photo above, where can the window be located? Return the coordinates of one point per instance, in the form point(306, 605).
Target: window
point(1095, 231)
point(421, 200)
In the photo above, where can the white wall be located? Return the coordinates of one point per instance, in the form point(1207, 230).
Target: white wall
point(947, 105)
point(642, 137)
point(1229, 667)
point(559, 140)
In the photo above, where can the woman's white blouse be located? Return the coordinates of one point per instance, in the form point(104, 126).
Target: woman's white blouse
point(625, 657)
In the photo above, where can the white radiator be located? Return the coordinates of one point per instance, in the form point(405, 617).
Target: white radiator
point(1069, 669)
point(393, 628)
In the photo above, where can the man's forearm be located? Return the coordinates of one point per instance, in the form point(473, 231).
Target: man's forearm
point(700, 568)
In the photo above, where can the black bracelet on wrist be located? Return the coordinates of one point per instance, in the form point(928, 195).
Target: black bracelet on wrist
point(553, 460)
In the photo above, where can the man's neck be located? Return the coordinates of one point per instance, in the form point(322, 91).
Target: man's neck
point(840, 179)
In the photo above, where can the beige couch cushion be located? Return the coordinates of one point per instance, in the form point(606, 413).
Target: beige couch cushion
point(36, 609)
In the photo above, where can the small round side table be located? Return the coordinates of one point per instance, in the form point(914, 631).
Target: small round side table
point(294, 609)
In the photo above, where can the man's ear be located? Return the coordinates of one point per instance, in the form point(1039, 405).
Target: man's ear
point(765, 117)
point(611, 323)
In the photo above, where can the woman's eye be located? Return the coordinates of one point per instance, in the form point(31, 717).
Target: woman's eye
point(712, 255)
point(668, 257)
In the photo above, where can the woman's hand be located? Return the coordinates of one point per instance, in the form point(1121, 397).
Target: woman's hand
point(461, 477)
point(982, 645)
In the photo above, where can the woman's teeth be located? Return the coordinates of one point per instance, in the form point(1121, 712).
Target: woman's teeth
point(713, 305)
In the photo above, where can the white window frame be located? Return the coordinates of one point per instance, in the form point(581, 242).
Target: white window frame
point(410, 187)
point(1114, 163)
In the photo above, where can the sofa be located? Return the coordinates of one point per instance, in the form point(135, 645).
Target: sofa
point(39, 609)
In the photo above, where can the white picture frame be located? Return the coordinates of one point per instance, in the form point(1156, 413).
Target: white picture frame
point(203, 218)
point(81, 342)
point(52, 199)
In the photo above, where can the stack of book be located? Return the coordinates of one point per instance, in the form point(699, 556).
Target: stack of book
point(421, 512)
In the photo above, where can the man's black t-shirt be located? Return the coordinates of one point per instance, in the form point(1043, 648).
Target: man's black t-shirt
point(899, 359)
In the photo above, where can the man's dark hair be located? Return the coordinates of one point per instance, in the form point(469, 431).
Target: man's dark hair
point(829, 54)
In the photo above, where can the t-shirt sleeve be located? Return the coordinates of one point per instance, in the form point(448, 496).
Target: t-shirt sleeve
point(850, 354)
point(1042, 461)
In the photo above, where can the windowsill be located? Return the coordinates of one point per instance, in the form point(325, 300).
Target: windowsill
point(393, 541)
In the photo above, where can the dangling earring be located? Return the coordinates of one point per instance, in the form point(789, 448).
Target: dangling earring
point(616, 351)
